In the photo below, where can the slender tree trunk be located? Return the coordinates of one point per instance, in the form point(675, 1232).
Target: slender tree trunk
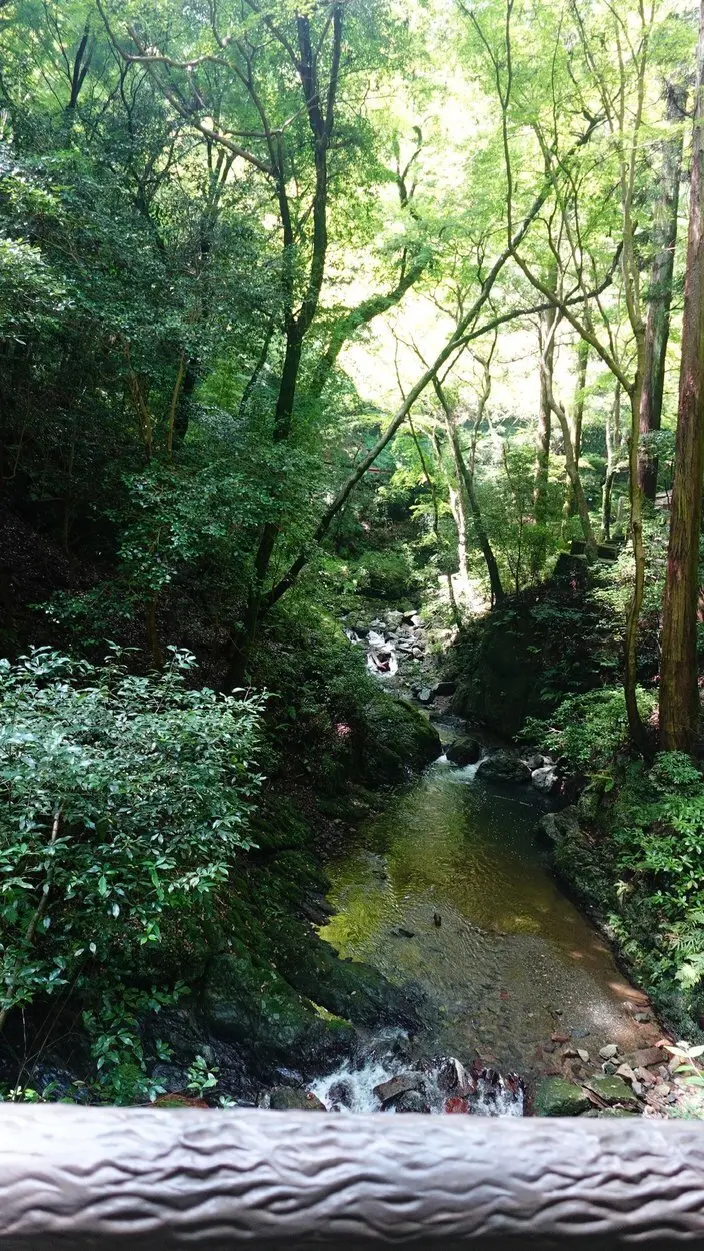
point(657, 324)
point(679, 693)
point(571, 464)
point(542, 447)
point(498, 594)
point(630, 680)
point(613, 433)
point(570, 503)
point(459, 515)
point(466, 479)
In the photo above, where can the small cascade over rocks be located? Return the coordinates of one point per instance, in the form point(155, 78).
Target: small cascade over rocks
point(395, 644)
point(380, 1079)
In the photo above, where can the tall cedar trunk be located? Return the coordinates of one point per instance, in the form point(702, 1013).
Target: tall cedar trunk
point(576, 433)
point(679, 694)
point(657, 325)
point(542, 446)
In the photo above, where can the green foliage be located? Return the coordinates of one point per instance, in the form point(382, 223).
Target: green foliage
point(113, 1027)
point(648, 820)
point(659, 833)
point(124, 805)
point(386, 575)
point(589, 729)
point(201, 1077)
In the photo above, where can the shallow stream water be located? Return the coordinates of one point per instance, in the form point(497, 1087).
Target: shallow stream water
point(450, 888)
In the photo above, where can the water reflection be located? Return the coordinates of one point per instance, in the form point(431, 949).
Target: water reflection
point(449, 888)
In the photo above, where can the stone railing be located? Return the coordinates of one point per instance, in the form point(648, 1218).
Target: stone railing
point(127, 1180)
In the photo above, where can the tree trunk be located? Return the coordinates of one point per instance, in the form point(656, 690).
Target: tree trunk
point(630, 680)
point(465, 479)
point(657, 325)
point(613, 439)
point(458, 510)
point(571, 464)
point(542, 446)
point(576, 432)
point(679, 693)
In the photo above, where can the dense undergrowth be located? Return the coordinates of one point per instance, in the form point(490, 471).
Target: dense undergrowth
point(634, 854)
point(152, 827)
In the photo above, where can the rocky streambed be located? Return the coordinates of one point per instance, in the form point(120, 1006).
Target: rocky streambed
point(450, 890)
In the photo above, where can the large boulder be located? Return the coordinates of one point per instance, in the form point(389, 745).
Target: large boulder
point(520, 659)
point(397, 739)
point(463, 751)
point(248, 1003)
point(503, 767)
point(560, 826)
point(612, 1089)
point(444, 688)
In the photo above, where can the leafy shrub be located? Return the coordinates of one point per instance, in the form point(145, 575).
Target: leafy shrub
point(659, 834)
point(123, 801)
point(589, 729)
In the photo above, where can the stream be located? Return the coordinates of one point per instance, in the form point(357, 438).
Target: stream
point(450, 888)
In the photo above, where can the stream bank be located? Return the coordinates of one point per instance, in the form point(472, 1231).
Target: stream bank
point(450, 888)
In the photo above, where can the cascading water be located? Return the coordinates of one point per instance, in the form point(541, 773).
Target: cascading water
point(380, 1080)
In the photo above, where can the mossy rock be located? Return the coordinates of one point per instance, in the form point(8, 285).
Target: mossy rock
point(349, 988)
point(555, 1096)
point(613, 1090)
point(398, 739)
point(464, 751)
point(248, 1003)
point(521, 659)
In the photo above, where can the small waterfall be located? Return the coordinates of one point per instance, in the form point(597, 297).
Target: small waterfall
point(390, 1084)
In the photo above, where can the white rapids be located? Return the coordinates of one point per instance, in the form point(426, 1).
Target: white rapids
point(352, 1088)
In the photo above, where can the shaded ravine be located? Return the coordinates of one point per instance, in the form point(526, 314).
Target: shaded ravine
point(450, 888)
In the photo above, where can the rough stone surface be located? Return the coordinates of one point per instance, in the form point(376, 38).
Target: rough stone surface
point(286, 1099)
point(250, 1004)
point(555, 1096)
point(463, 751)
point(454, 1079)
point(387, 1092)
point(611, 1089)
point(503, 767)
point(544, 779)
point(608, 1052)
point(350, 989)
point(647, 1057)
point(411, 1101)
point(559, 826)
point(535, 762)
point(444, 688)
point(149, 1180)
